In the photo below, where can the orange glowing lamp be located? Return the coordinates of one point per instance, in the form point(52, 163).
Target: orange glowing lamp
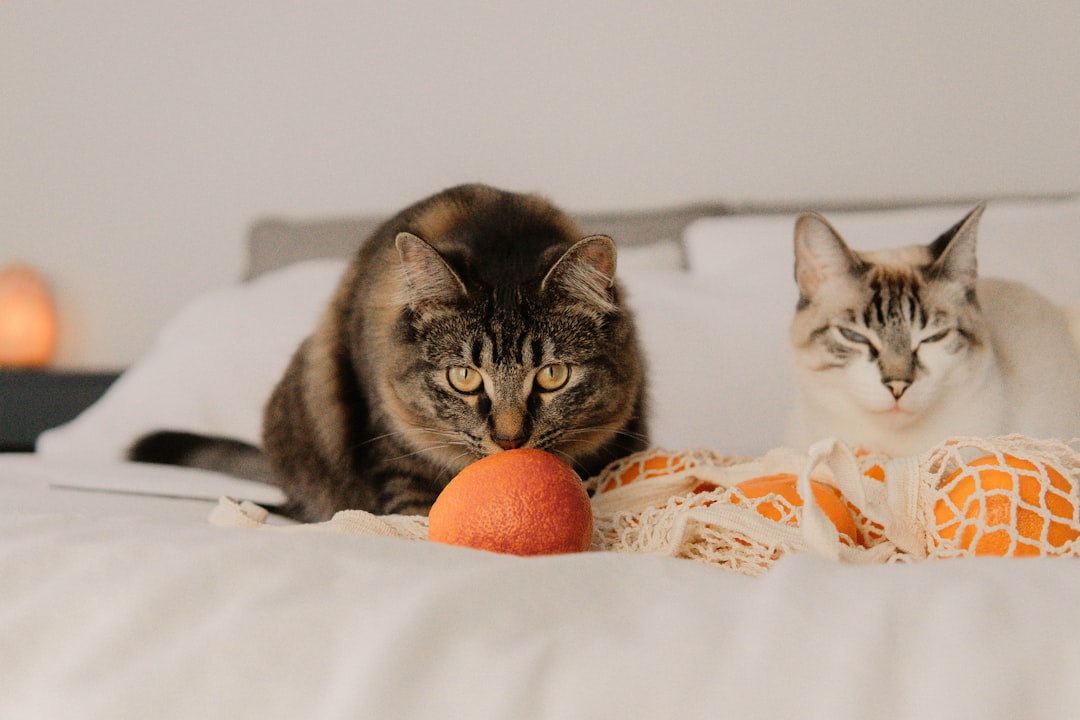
point(27, 318)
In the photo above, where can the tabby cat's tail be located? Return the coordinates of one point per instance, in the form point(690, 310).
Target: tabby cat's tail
point(224, 455)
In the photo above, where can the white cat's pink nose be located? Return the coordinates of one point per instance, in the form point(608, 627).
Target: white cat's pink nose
point(897, 387)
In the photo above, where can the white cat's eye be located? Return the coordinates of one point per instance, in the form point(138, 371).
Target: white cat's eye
point(553, 376)
point(464, 379)
point(852, 336)
point(938, 336)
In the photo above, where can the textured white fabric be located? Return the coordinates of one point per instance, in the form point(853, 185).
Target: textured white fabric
point(211, 368)
point(117, 614)
point(718, 363)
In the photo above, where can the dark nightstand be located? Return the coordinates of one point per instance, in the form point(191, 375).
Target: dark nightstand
point(32, 401)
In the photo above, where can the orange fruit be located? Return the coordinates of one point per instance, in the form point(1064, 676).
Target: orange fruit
point(656, 466)
point(875, 472)
point(987, 495)
point(518, 502)
point(784, 485)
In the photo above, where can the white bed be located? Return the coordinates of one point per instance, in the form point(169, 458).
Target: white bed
point(120, 599)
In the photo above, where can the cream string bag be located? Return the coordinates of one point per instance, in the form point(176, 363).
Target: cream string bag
point(1013, 495)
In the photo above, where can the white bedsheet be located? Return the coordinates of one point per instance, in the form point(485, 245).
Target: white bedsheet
point(133, 606)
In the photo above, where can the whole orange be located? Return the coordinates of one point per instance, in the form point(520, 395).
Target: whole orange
point(519, 502)
point(998, 502)
point(784, 485)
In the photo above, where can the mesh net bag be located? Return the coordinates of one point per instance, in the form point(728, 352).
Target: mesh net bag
point(1010, 496)
point(685, 504)
point(1006, 496)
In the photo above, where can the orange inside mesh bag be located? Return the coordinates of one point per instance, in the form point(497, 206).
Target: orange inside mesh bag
point(1000, 504)
point(740, 514)
point(1010, 496)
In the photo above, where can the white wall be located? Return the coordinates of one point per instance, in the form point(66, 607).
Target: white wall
point(137, 140)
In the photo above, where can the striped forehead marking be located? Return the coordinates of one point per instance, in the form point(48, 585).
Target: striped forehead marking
point(498, 348)
point(894, 299)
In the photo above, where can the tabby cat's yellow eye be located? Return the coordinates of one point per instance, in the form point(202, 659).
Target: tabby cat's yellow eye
point(464, 379)
point(553, 376)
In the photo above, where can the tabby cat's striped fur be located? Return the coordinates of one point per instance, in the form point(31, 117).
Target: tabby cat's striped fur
point(475, 321)
point(898, 350)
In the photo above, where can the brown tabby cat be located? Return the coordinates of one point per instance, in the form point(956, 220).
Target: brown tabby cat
point(473, 322)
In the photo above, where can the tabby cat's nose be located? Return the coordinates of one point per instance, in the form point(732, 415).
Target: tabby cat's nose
point(897, 387)
point(509, 443)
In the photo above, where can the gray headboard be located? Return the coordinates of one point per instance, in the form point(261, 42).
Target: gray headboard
point(276, 242)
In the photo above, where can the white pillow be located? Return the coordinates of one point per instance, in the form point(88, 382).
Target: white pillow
point(214, 365)
point(211, 368)
point(660, 255)
point(1033, 241)
point(718, 361)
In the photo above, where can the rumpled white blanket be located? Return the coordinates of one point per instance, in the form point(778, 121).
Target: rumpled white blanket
point(114, 611)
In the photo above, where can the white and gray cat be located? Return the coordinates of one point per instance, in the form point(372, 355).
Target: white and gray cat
point(898, 350)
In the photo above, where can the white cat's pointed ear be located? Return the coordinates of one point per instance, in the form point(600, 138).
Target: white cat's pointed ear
point(954, 252)
point(821, 254)
point(586, 272)
point(429, 279)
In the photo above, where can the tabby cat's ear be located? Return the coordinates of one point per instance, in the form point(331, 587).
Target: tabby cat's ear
point(954, 251)
point(429, 279)
point(820, 254)
point(586, 272)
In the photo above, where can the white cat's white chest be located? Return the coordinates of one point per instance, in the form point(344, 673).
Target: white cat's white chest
point(828, 404)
